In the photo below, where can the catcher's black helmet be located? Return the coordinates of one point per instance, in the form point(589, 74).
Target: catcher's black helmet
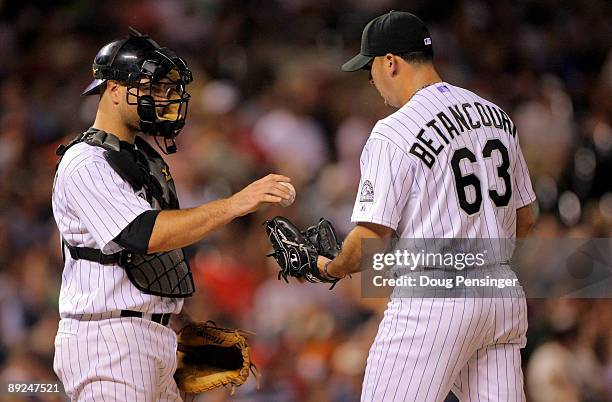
point(154, 75)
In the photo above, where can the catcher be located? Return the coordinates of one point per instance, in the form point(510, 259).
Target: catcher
point(123, 233)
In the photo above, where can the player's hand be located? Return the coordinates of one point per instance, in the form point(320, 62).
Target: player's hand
point(267, 190)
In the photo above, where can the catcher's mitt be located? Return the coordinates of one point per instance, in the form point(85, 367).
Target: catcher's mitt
point(210, 357)
point(296, 252)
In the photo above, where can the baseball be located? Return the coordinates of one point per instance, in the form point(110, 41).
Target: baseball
point(284, 202)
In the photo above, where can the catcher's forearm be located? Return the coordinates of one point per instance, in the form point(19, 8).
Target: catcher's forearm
point(179, 228)
point(349, 259)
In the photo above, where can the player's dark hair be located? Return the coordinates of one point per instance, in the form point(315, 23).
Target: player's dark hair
point(419, 57)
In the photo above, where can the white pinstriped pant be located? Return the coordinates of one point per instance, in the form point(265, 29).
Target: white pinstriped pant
point(427, 346)
point(117, 359)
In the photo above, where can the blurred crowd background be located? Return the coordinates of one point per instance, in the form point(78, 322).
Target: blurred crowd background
point(269, 96)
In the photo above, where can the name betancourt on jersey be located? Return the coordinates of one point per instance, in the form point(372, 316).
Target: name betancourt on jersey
point(468, 116)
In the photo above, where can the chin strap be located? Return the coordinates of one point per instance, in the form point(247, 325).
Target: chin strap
point(167, 149)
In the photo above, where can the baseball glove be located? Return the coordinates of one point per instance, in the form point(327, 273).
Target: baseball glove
point(211, 357)
point(296, 252)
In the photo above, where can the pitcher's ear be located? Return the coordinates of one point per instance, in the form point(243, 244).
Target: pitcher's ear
point(391, 63)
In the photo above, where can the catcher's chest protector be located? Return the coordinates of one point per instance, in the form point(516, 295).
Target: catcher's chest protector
point(165, 274)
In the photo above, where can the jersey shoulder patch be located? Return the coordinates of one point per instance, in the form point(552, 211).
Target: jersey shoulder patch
point(366, 194)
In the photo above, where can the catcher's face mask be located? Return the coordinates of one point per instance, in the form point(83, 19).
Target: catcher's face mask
point(155, 78)
point(160, 94)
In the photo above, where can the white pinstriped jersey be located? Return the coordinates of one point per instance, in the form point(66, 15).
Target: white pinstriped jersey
point(92, 204)
point(445, 165)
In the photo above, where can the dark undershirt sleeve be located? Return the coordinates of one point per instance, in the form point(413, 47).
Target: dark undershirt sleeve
point(136, 235)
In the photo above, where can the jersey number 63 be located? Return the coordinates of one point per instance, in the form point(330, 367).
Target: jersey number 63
point(462, 182)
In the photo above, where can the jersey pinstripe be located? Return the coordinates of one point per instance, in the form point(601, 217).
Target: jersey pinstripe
point(448, 164)
point(92, 204)
point(418, 197)
point(118, 359)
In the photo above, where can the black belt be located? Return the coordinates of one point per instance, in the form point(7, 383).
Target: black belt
point(162, 319)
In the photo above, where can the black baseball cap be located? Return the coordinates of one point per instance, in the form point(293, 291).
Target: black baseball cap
point(396, 32)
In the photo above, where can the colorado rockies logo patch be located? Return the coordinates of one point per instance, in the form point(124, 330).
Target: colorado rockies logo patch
point(367, 192)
